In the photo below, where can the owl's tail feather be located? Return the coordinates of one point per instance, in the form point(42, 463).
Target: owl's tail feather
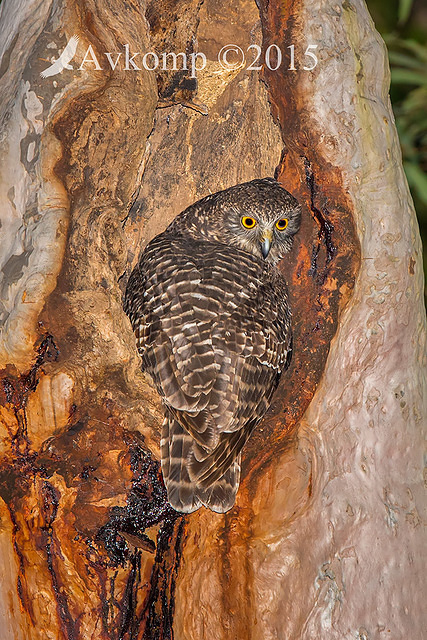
point(187, 495)
point(221, 494)
point(175, 447)
point(205, 471)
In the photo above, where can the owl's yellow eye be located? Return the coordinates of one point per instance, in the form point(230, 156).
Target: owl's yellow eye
point(282, 224)
point(248, 222)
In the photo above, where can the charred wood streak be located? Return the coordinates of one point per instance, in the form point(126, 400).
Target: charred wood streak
point(161, 600)
point(22, 593)
point(50, 503)
point(130, 598)
point(325, 226)
point(146, 506)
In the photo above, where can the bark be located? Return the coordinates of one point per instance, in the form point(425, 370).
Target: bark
point(325, 540)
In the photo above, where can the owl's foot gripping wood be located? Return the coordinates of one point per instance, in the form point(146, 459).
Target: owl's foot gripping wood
point(185, 493)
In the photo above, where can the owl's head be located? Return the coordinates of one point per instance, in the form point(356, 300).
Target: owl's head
point(259, 217)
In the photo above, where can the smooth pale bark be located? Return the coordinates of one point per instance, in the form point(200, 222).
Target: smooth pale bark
point(325, 540)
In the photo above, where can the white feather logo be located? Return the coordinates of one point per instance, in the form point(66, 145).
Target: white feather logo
point(63, 62)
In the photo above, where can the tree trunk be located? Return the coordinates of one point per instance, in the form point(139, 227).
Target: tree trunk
point(325, 539)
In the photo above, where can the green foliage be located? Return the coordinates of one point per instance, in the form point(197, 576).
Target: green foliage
point(404, 10)
point(409, 82)
point(403, 25)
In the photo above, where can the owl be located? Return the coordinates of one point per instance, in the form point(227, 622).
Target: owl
point(212, 321)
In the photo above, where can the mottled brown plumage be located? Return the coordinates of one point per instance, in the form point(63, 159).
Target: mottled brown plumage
point(213, 327)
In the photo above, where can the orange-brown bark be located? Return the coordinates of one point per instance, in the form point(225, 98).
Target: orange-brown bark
point(92, 171)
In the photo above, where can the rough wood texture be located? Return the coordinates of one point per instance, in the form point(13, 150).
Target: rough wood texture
point(325, 540)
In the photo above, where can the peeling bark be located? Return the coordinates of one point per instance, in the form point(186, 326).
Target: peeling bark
point(325, 538)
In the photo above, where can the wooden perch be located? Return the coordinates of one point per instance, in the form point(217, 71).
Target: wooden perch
point(325, 539)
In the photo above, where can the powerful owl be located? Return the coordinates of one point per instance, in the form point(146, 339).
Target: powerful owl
point(212, 321)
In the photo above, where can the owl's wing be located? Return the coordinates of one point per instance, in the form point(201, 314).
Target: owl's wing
point(253, 345)
point(257, 384)
point(172, 317)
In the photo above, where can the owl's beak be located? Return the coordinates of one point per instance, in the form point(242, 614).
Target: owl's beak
point(265, 241)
